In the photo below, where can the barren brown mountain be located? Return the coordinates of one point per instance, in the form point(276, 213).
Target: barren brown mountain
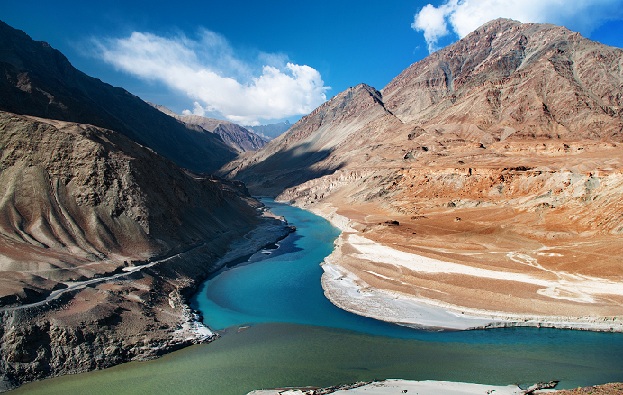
point(102, 240)
point(498, 157)
point(81, 204)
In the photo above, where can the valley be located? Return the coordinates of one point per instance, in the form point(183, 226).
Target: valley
point(479, 189)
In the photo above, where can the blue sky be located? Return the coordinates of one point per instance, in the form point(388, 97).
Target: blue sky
point(264, 61)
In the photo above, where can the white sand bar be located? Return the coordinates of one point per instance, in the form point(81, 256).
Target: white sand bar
point(561, 287)
point(391, 387)
point(348, 291)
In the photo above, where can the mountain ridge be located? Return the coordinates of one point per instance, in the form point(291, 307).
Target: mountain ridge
point(104, 234)
point(237, 137)
point(39, 80)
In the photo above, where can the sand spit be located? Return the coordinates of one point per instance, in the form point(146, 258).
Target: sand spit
point(347, 290)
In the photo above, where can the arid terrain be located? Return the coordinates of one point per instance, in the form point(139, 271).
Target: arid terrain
point(484, 180)
point(480, 188)
point(102, 242)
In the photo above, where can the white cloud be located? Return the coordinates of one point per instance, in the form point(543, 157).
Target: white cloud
point(210, 73)
point(464, 16)
point(197, 110)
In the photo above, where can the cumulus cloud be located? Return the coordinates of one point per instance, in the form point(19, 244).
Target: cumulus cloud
point(464, 16)
point(210, 73)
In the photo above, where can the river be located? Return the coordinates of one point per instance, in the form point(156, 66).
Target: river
point(279, 330)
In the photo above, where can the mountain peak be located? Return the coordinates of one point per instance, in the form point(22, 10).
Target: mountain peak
point(539, 78)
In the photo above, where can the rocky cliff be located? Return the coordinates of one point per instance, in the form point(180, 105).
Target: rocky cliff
point(38, 80)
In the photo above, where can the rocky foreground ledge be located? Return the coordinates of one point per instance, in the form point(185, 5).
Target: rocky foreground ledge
point(390, 387)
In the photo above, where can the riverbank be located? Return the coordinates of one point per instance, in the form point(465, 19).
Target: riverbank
point(132, 316)
point(390, 387)
point(393, 284)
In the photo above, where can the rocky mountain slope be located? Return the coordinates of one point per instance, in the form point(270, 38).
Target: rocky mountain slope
point(80, 202)
point(501, 151)
point(38, 80)
point(239, 138)
point(319, 144)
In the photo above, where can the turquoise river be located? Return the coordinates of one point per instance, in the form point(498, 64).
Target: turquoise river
point(279, 330)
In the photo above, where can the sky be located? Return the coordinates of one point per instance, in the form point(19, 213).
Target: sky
point(256, 62)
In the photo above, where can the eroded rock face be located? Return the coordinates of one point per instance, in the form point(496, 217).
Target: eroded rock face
point(514, 81)
point(85, 194)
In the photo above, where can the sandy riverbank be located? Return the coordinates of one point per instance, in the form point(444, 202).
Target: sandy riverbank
point(375, 280)
point(388, 387)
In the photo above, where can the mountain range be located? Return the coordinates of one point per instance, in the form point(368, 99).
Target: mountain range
point(239, 138)
point(38, 80)
point(498, 154)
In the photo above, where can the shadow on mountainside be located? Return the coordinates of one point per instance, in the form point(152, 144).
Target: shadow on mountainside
point(37, 80)
point(286, 169)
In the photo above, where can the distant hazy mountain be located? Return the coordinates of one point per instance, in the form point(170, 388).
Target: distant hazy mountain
point(271, 130)
point(237, 137)
point(38, 80)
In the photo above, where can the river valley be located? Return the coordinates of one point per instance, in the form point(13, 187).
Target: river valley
point(278, 330)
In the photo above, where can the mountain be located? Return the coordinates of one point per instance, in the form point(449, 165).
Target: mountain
point(105, 234)
point(38, 80)
point(516, 80)
point(310, 148)
point(272, 130)
point(504, 82)
point(499, 152)
point(82, 203)
point(238, 138)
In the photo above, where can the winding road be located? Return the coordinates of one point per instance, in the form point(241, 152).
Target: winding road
point(75, 285)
